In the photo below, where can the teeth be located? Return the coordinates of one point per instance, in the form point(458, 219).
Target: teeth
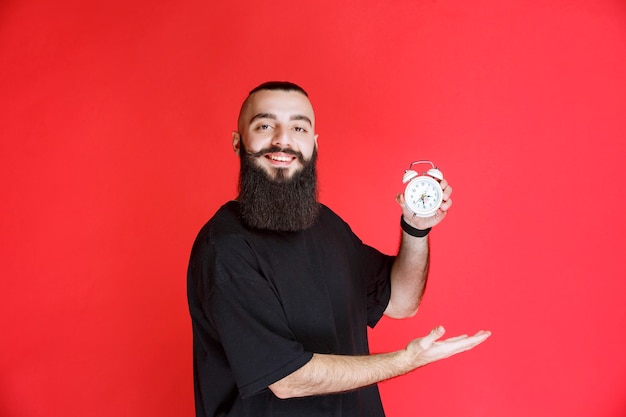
point(280, 158)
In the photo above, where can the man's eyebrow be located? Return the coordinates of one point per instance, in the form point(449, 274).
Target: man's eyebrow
point(263, 116)
point(301, 117)
point(273, 117)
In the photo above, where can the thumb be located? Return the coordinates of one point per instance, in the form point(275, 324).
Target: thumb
point(432, 337)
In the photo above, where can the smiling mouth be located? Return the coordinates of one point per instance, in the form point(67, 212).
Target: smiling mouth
point(281, 158)
point(277, 154)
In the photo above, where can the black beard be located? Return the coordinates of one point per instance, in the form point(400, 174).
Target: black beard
point(278, 204)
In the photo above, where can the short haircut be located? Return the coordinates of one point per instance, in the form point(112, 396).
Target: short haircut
point(279, 85)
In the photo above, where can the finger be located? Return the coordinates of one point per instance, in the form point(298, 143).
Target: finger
point(445, 206)
point(473, 341)
point(482, 335)
point(455, 338)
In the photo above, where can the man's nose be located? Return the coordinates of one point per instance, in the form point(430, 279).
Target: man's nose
point(282, 137)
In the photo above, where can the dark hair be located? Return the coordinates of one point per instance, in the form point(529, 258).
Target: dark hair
point(279, 85)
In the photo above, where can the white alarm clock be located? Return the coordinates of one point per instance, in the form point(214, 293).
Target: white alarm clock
point(423, 194)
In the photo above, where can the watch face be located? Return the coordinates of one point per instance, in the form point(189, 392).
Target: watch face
point(423, 196)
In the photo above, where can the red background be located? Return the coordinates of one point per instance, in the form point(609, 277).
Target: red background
point(115, 126)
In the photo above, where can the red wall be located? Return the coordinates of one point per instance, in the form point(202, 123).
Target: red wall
point(115, 128)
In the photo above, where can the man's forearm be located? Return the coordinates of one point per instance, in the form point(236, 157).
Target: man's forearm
point(408, 276)
point(329, 374)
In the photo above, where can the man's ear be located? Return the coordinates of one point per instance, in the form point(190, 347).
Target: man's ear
point(236, 142)
point(316, 141)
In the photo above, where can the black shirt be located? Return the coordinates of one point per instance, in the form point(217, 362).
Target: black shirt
point(263, 302)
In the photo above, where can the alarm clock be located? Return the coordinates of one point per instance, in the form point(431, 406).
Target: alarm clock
point(423, 193)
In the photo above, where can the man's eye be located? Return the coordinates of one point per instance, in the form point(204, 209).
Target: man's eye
point(300, 129)
point(264, 127)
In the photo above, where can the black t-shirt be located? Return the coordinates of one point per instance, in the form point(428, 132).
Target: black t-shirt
point(263, 302)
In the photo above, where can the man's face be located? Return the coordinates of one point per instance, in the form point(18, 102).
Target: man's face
point(276, 127)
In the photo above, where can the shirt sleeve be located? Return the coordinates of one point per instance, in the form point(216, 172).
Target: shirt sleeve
point(245, 310)
point(377, 268)
point(374, 268)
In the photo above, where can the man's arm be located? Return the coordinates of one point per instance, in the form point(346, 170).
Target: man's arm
point(328, 374)
point(410, 269)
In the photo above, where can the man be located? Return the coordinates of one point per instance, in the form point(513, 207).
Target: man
point(281, 291)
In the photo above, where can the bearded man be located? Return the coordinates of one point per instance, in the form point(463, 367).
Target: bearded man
point(281, 291)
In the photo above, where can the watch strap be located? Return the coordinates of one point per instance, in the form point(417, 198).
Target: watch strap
point(412, 230)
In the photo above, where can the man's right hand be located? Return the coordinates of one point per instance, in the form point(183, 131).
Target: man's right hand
point(430, 349)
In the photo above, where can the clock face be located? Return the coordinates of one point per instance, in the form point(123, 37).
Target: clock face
point(423, 196)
